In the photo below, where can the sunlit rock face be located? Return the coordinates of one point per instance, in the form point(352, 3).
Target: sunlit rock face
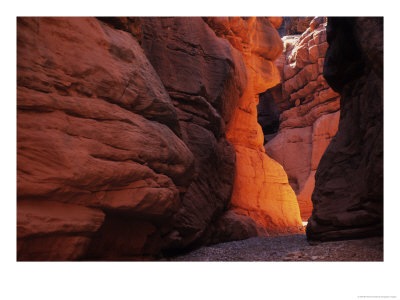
point(348, 194)
point(261, 188)
point(309, 111)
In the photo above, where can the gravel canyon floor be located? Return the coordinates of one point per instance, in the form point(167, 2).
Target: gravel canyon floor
point(289, 248)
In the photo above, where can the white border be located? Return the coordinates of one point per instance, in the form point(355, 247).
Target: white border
point(198, 280)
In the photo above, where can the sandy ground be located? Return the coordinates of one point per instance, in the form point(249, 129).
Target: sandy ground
point(288, 248)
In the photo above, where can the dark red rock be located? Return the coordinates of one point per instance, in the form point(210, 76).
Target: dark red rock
point(202, 74)
point(51, 230)
point(96, 134)
point(191, 60)
point(348, 194)
point(97, 128)
point(232, 226)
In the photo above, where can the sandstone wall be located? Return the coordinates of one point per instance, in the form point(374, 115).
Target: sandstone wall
point(348, 194)
point(97, 141)
point(123, 151)
point(294, 25)
point(309, 111)
point(261, 188)
point(204, 76)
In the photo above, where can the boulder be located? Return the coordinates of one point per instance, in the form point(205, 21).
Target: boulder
point(97, 135)
point(232, 227)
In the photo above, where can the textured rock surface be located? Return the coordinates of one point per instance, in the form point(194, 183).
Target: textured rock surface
point(261, 188)
point(128, 136)
point(49, 230)
point(95, 129)
point(124, 136)
point(348, 194)
point(294, 25)
point(204, 76)
point(308, 111)
point(232, 226)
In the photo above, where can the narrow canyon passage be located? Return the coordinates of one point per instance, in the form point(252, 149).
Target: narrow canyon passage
point(300, 116)
point(141, 138)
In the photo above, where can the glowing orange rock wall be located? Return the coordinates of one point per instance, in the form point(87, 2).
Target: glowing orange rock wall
point(261, 189)
point(120, 160)
point(309, 111)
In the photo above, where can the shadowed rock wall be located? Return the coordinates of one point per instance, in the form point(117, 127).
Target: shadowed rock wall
point(294, 25)
point(348, 194)
point(204, 77)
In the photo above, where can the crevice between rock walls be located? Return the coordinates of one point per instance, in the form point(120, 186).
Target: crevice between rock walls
point(169, 107)
point(307, 108)
point(348, 194)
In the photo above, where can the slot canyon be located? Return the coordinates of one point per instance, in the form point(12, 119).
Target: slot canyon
point(181, 138)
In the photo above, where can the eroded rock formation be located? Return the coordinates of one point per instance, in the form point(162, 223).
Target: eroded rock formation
point(204, 76)
point(122, 148)
point(308, 111)
point(261, 188)
point(348, 194)
point(294, 25)
point(97, 138)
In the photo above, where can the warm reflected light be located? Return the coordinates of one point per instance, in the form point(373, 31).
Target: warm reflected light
point(305, 224)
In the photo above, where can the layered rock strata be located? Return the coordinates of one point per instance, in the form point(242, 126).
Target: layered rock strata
point(261, 188)
point(308, 108)
point(204, 77)
point(97, 140)
point(348, 194)
point(122, 147)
